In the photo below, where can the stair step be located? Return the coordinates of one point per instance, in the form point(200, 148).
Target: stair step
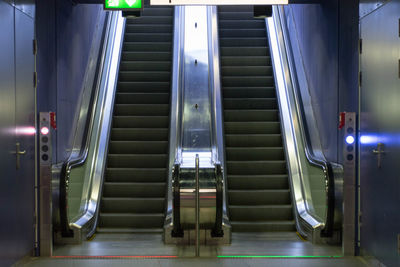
point(251, 140)
point(249, 182)
point(132, 205)
point(141, 110)
point(137, 161)
point(136, 175)
point(254, 153)
point(256, 167)
point(271, 226)
point(259, 197)
point(140, 122)
point(244, 115)
point(261, 213)
point(138, 147)
point(135, 190)
point(131, 220)
point(252, 127)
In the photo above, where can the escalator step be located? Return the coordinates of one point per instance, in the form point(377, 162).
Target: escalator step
point(259, 197)
point(242, 33)
point(151, 20)
point(146, 56)
point(244, 115)
point(244, 51)
point(151, 28)
point(148, 37)
point(144, 87)
point(250, 81)
point(136, 190)
point(246, 92)
point(263, 226)
point(131, 220)
point(256, 167)
point(147, 46)
point(139, 134)
point(252, 127)
point(141, 109)
point(235, 15)
point(132, 205)
point(242, 24)
point(145, 66)
point(142, 98)
point(253, 140)
point(137, 160)
point(261, 213)
point(256, 182)
point(136, 175)
point(246, 61)
point(247, 70)
point(243, 42)
point(254, 153)
point(140, 122)
point(138, 147)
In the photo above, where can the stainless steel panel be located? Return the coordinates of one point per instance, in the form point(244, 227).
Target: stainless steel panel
point(369, 6)
point(8, 178)
point(379, 123)
point(26, 6)
point(25, 129)
point(196, 124)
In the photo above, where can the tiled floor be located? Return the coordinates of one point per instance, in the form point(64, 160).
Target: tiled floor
point(253, 245)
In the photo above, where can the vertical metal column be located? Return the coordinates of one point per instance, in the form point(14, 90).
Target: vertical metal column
point(45, 215)
point(349, 184)
point(197, 208)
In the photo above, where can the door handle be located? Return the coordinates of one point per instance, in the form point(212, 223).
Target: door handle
point(18, 154)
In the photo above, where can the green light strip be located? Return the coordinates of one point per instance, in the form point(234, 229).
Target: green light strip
point(274, 256)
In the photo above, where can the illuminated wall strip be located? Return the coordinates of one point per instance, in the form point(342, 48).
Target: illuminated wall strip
point(274, 256)
point(113, 257)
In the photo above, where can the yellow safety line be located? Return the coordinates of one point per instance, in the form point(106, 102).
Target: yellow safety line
point(301, 236)
point(93, 236)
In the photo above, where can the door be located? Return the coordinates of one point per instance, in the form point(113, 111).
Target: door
point(25, 130)
point(17, 125)
point(380, 133)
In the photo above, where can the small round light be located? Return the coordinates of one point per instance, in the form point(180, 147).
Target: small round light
point(44, 130)
point(350, 140)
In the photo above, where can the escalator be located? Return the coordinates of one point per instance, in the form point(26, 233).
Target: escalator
point(258, 188)
point(133, 198)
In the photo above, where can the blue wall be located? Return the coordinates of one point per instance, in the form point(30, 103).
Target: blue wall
point(64, 34)
point(328, 38)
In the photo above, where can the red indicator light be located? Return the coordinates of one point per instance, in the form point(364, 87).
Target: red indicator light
point(44, 130)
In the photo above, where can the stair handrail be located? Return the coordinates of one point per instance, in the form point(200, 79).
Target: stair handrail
point(314, 155)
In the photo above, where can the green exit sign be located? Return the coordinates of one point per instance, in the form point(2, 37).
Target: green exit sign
point(123, 4)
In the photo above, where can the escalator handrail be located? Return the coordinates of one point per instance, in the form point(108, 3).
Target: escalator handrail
point(79, 157)
point(320, 160)
point(314, 158)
